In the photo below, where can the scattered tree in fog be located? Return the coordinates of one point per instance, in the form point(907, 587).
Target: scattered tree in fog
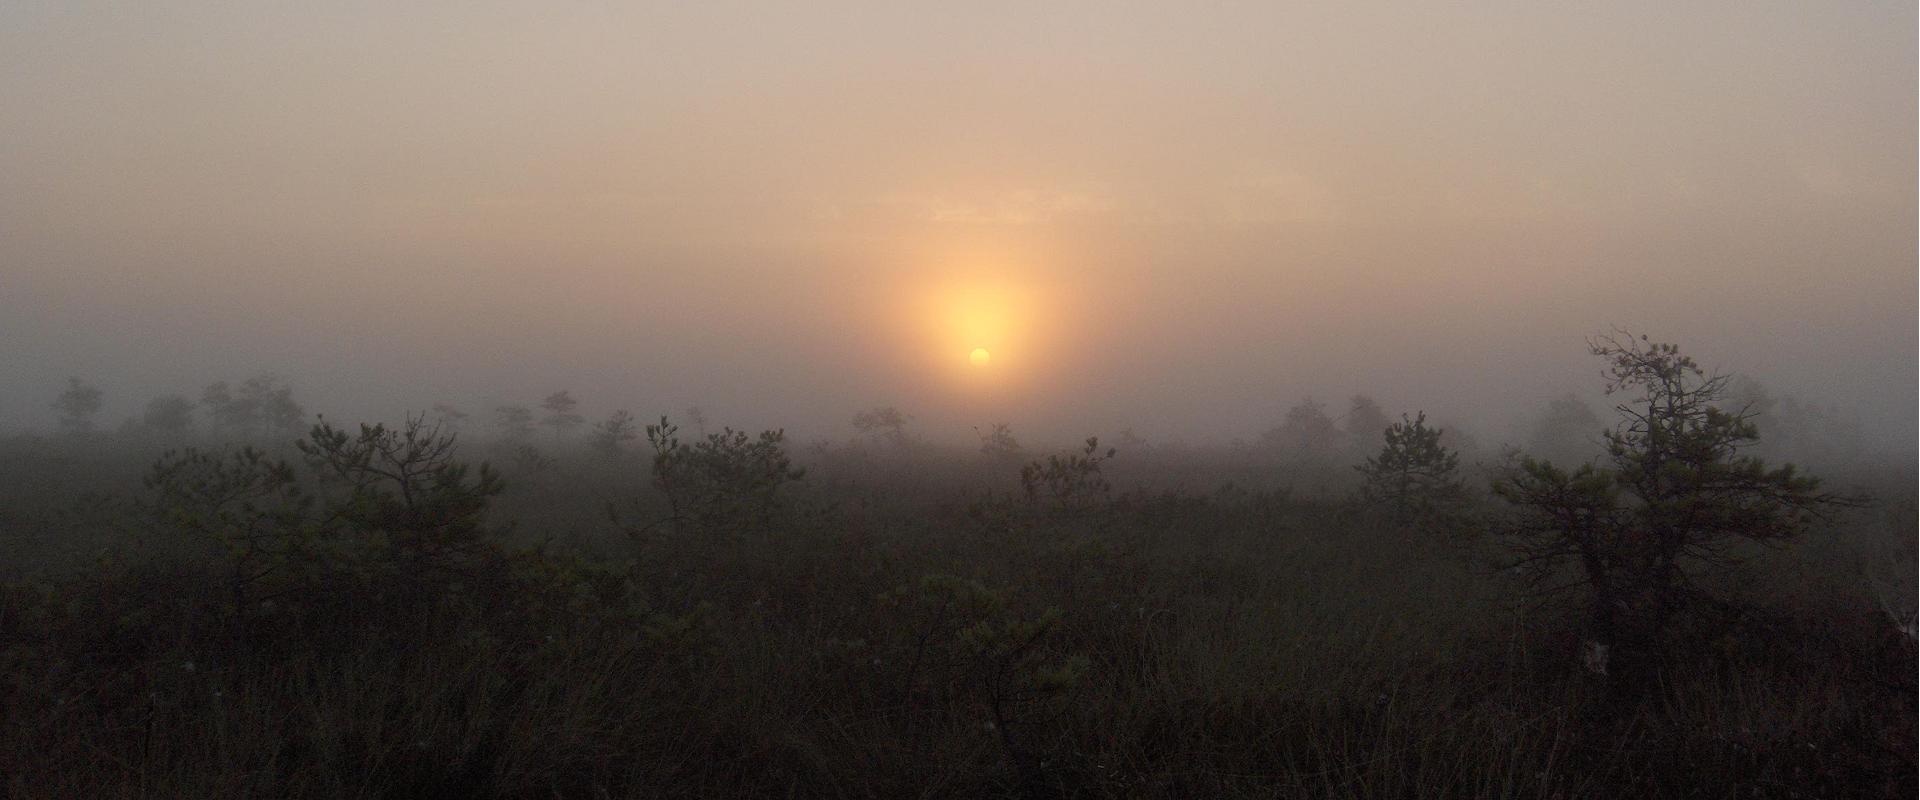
point(999, 444)
point(1307, 432)
point(262, 404)
point(1747, 394)
point(168, 413)
point(449, 418)
point(515, 422)
point(1071, 482)
point(561, 416)
point(1674, 494)
point(528, 459)
point(1457, 439)
point(1794, 428)
point(882, 424)
point(249, 506)
point(1365, 420)
point(1413, 477)
point(77, 406)
point(611, 435)
point(968, 643)
point(1567, 433)
point(723, 482)
point(278, 411)
point(1816, 432)
point(400, 492)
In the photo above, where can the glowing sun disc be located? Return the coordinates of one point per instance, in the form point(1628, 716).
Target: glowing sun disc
point(980, 356)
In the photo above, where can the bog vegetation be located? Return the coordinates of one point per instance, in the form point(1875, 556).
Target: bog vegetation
point(232, 597)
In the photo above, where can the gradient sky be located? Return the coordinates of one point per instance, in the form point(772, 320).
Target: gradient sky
point(1179, 217)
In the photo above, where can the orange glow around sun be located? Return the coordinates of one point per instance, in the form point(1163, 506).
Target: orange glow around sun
point(982, 318)
point(981, 329)
point(974, 324)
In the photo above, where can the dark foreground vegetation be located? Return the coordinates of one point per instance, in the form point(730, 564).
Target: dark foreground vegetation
point(371, 612)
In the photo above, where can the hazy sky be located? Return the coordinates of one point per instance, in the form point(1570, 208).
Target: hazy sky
point(1181, 217)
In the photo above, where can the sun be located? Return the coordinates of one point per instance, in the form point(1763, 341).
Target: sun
point(977, 328)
